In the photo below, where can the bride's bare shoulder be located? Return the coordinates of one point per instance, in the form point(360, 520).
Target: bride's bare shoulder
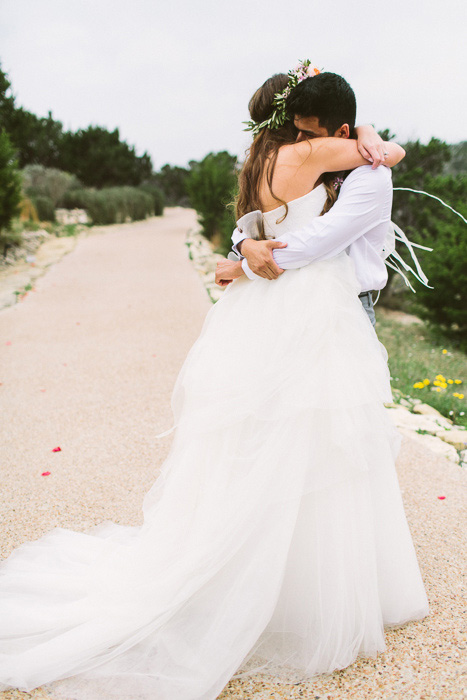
point(301, 152)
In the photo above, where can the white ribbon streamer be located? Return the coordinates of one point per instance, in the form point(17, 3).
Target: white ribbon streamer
point(409, 189)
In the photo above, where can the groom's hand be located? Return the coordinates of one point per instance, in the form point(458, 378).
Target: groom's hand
point(260, 259)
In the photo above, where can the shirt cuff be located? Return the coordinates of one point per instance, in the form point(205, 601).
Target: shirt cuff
point(237, 237)
point(236, 250)
point(249, 273)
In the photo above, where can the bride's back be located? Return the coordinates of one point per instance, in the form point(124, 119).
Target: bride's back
point(294, 175)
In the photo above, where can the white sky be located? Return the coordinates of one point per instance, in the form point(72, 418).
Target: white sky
point(176, 75)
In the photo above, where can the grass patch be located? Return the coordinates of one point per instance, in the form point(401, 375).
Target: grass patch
point(416, 353)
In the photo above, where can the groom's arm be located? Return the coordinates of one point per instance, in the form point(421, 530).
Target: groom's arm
point(364, 202)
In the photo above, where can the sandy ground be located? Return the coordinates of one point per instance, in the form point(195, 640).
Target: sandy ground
point(87, 364)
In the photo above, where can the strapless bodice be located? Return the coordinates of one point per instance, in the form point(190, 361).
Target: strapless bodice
point(300, 211)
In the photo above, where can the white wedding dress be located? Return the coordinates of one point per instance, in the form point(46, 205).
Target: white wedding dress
point(275, 539)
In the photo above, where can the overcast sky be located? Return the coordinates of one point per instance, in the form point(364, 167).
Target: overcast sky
point(175, 76)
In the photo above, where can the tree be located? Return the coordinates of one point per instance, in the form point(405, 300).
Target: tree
point(10, 188)
point(99, 158)
point(445, 267)
point(7, 100)
point(428, 222)
point(37, 140)
point(458, 163)
point(421, 161)
point(173, 182)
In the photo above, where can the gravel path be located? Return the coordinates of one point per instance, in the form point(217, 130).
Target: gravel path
point(87, 364)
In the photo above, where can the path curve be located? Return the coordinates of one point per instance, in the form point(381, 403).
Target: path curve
point(87, 364)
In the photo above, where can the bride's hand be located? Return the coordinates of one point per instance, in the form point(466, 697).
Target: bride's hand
point(260, 259)
point(370, 145)
point(226, 271)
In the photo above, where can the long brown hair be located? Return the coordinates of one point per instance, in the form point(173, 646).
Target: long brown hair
point(263, 152)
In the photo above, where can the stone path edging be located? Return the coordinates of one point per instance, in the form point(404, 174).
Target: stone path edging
point(42, 250)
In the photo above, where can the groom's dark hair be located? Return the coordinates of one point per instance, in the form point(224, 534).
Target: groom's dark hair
point(328, 97)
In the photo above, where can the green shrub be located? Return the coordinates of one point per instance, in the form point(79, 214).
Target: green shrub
point(10, 192)
point(39, 181)
point(76, 199)
point(158, 197)
point(44, 207)
point(111, 205)
point(210, 185)
point(226, 225)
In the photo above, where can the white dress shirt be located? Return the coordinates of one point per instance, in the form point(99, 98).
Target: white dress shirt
point(358, 222)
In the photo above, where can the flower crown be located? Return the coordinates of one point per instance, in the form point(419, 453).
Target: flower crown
point(303, 70)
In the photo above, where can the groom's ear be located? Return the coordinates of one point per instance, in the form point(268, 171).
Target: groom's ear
point(343, 132)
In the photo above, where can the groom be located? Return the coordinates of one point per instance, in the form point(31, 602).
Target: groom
point(325, 105)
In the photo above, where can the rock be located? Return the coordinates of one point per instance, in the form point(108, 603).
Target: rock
point(404, 402)
point(435, 444)
point(71, 216)
point(200, 251)
point(215, 292)
point(210, 279)
point(402, 417)
point(425, 410)
point(457, 438)
point(7, 299)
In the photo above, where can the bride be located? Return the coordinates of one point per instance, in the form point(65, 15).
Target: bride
point(275, 539)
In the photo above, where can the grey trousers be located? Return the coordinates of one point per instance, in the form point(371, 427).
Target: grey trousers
point(367, 301)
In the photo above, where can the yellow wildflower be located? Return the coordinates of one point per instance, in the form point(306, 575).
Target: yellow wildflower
point(444, 352)
point(450, 381)
point(426, 382)
point(457, 381)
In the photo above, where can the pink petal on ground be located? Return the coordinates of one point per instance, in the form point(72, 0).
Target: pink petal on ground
point(8, 342)
point(57, 449)
point(45, 473)
point(441, 497)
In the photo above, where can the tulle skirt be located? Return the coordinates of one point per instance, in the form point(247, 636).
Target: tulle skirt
point(274, 540)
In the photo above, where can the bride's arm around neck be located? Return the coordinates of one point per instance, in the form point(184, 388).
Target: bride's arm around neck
point(330, 154)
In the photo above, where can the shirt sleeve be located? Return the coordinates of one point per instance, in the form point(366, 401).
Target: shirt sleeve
point(248, 272)
point(361, 205)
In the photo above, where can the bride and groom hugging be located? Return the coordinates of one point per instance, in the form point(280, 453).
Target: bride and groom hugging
point(274, 539)
point(359, 221)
